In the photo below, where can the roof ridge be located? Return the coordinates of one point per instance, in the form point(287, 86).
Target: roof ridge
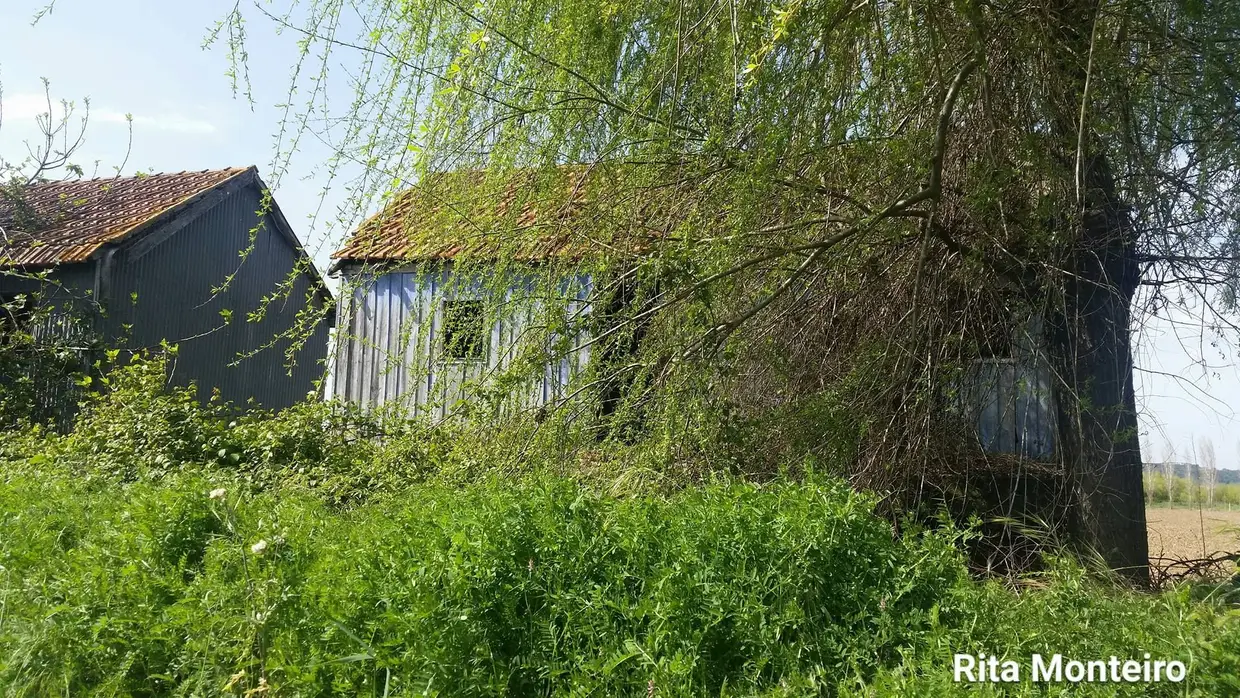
point(146, 175)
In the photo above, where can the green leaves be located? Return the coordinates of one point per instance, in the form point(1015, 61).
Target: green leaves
point(492, 589)
point(531, 586)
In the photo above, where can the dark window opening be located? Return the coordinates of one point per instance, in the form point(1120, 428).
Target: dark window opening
point(995, 340)
point(16, 311)
point(464, 331)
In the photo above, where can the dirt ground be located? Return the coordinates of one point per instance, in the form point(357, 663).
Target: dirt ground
point(1175, 532)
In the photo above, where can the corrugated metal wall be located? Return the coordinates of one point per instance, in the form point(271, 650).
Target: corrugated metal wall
point(1013, 404)
point(166, 293)
point(67, 326)
point(388, 342)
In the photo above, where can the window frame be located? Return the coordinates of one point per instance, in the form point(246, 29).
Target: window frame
point(450, 323)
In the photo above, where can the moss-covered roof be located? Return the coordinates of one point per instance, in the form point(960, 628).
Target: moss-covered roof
point(524, 215)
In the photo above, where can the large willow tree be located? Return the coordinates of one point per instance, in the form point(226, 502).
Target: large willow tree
point(1063, 152)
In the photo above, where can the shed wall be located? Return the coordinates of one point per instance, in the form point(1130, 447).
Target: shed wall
point(166, 293)
point(69, 292)
point(388, 343)
point(69, 284)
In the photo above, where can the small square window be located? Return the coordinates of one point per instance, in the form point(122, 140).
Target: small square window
point(464, 331)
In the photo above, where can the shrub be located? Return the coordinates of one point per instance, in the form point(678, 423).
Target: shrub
point(137, 428)
point(534, 586)
point(1064, 611)
point(504, 588)
point(170, 548)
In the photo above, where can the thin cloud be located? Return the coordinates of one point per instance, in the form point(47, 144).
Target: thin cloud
point(175, 123)
point(28, 105)
point(22, 106)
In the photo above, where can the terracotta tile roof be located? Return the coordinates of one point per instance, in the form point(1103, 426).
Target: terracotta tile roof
point(78, 217)
point(523, 215)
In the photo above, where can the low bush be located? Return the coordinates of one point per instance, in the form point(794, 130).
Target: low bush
point(136, 428)
point(497, 589)
point(533, 586)
point(165, 547)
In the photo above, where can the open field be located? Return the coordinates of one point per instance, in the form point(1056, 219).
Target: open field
point(1176, 532)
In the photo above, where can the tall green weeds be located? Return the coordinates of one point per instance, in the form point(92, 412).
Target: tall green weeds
point(533, 586)
point(169, 548)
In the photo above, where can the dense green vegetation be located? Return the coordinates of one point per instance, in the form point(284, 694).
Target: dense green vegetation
point(816, 198)
point(527, 588)
point(166, 548)
point(858, 201)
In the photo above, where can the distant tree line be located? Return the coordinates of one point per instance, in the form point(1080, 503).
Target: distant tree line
point(1197, 479)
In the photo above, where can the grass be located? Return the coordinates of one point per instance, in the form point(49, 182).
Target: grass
point(535, 587)
point(161, 549)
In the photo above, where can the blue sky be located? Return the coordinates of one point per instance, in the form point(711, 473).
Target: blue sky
point(145, 58)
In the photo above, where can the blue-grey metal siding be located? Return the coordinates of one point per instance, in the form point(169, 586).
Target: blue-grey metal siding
point(68, 291)
point(1013, 407)
point(388, 334)
point(70, 284)
point(166, 293)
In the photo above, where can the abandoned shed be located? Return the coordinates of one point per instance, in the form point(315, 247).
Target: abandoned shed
point(432, 287)
point(434, 302)
point(183, 258)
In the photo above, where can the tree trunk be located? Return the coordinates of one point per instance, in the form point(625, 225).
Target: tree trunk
point(1098, 429)
point(1090, 342)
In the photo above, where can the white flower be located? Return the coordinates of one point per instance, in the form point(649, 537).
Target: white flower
point(218, 493)
point(259, 548)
